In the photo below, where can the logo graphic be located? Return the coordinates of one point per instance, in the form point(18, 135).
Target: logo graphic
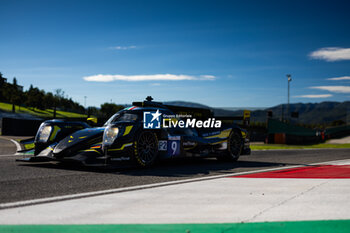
point(151, 120)
point(156, 120)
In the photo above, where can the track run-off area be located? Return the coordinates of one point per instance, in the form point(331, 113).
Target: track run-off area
point(268, 191)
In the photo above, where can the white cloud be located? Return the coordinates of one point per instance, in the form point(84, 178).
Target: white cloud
point(208, 77)
point(335, 89)
point(314, 96)
point(150, 77)
point(123, 47)
point(340, 78)
point(331, 54)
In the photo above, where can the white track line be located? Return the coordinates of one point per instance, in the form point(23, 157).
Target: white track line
point(18, 146)
point(138, 187)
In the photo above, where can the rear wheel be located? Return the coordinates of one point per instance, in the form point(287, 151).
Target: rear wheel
point(146, 148)
point(234, 147)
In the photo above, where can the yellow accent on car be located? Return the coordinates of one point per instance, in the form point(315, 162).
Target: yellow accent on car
point(121, 148)
point(190, 148)
point(56, 129)
point(223, 134)
point(127, 130)
point(92, 119)
point(49, 148)
point(90, 150)
point(82, 137)
point(244, 135)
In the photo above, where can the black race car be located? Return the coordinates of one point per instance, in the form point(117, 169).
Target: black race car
point(142, 134)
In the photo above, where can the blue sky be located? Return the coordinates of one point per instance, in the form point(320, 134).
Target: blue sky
point(218, 53)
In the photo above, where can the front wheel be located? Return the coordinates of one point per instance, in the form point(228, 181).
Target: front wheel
point(234, 147)
point(146, 148)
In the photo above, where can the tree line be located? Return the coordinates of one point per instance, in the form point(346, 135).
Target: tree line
point(35, 98)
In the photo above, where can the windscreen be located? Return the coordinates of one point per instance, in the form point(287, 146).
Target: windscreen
point(122, 116)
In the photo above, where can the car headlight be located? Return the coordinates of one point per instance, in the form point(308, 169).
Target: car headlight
point(44, 133)
point(110, 134)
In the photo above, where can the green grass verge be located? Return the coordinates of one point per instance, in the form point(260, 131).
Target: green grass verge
point(47, 113)
point(282, 146)
point(335, 226)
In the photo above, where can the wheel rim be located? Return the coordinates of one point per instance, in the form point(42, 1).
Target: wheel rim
point(147, 147)
point(235, 144)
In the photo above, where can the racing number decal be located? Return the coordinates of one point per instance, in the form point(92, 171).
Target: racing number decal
point(162, 146)
point(174, 148)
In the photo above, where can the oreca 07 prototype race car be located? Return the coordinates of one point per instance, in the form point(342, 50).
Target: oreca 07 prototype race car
point(142, 134)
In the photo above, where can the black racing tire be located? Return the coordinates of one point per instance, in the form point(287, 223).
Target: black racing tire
point(145, 148)
point(234, 147)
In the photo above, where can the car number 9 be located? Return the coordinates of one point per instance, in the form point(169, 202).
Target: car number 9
point(174, 147)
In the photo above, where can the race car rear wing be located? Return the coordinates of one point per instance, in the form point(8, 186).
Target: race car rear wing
point(245, 118)
point(204, 113)
point(193, 111)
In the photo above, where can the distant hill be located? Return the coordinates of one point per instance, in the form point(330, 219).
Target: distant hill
point(309, 113)
point(313, 113)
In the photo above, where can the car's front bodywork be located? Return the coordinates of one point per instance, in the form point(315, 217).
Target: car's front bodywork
point(125, 138)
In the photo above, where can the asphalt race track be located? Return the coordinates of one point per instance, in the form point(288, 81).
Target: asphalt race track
point(7, 147)
point(21, 181)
